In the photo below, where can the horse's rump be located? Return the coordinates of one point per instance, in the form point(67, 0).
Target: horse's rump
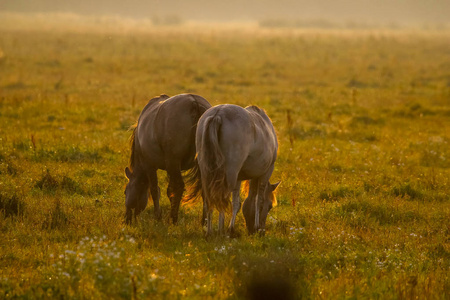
point(166, 129)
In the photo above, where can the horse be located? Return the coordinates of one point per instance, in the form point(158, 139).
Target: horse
point(163, 138)
point(234, 144)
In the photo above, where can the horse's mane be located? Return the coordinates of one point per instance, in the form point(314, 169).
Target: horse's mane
point(132, 145)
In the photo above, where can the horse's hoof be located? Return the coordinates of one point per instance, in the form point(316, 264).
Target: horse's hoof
point(174, 218)
point(209, 235)
point(158, 215)
point(234, 234)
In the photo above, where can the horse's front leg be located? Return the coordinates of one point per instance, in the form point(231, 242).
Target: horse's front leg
point(259, 203)
point(155, 192)
point(209, 229)
point(205, 210)
point(236, 207)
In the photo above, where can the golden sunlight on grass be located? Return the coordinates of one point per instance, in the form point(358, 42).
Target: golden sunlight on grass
point(362, 118)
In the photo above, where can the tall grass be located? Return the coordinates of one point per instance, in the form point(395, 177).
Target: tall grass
point(362, 123)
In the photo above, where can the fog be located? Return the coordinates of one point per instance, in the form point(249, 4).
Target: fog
point(373, 11)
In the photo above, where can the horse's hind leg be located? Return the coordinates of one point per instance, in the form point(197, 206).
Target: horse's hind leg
point(259, 203)
point(205, 210)
point(221, 223)
point(209, 216)
point(236, 206)
point(175, 191)
point(155, 192)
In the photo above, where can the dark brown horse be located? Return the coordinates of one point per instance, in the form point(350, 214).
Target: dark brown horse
point(235, 144)
point(164, 138)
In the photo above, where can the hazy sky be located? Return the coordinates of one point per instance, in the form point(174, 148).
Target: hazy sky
point(399, 11)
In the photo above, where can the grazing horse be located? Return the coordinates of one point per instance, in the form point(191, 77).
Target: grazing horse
point(234, 144)
point(164, 138)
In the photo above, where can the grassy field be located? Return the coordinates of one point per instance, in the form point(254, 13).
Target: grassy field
point(363, 122)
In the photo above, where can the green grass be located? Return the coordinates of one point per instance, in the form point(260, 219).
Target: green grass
point(362, 119)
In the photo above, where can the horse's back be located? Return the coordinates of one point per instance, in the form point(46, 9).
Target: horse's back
point(264, 148)
point(166, 129)
point(176, 124)
point(265, 136)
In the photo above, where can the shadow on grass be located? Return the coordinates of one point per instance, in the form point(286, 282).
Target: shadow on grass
point(11, 205)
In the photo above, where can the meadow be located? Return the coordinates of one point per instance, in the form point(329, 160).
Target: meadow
point(362, 118)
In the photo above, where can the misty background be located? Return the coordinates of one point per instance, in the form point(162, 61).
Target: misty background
point(401, 12)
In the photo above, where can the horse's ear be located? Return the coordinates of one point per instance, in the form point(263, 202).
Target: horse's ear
point(275, 185)
point(128, 172)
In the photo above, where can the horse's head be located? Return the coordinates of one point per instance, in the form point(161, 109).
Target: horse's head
point(270, 200)
point(136, 194)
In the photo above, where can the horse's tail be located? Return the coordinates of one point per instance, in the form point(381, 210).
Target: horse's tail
point(193, 181)
point(208, 174)
point(212, 166)
point(200, 106)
